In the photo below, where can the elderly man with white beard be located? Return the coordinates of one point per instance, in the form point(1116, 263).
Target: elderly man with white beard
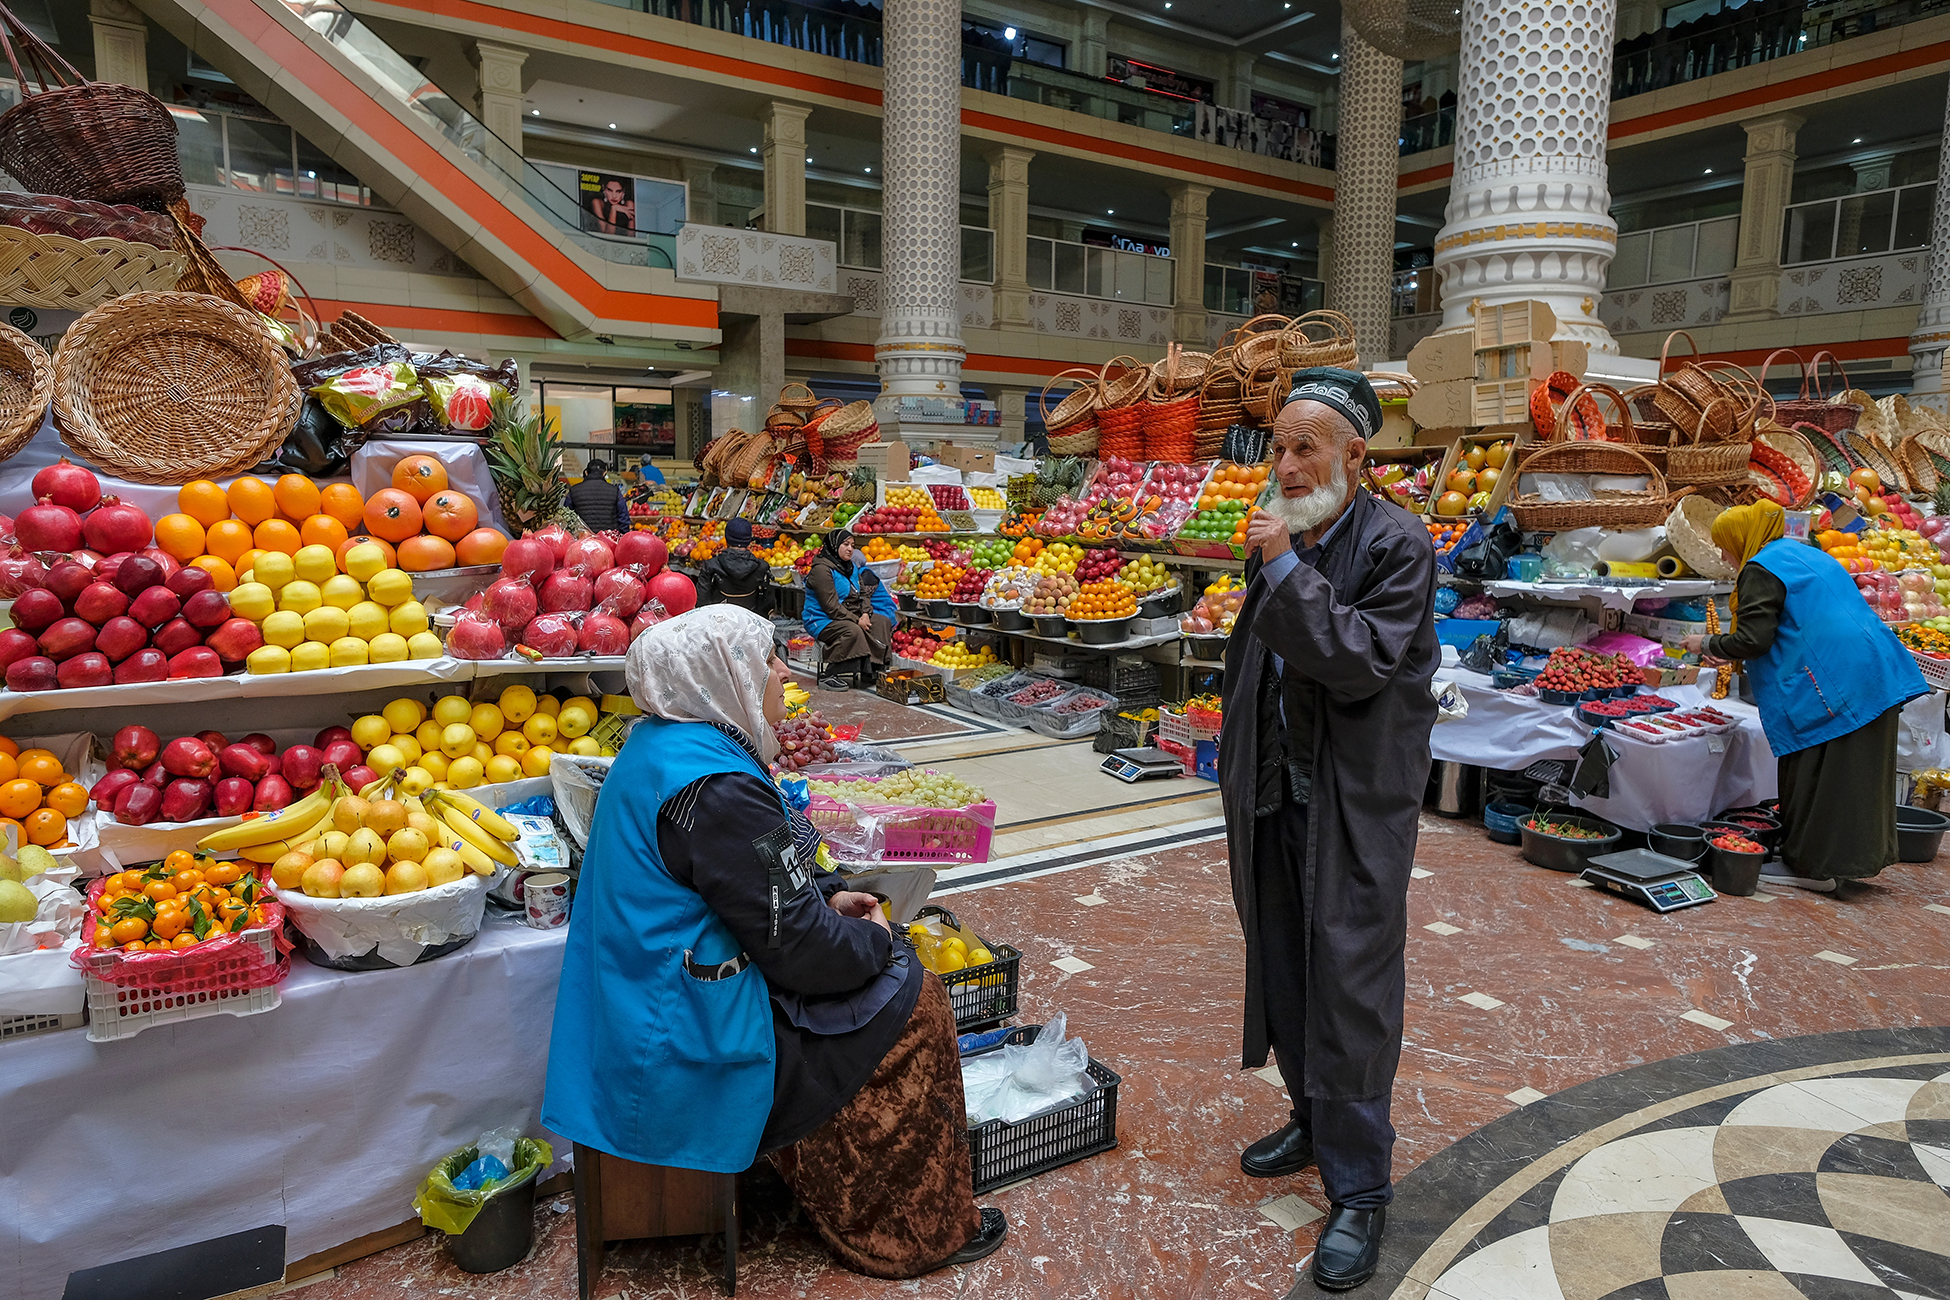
point(1322, 765)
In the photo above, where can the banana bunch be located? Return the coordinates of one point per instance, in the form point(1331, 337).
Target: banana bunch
point(266, 837)
point(475, 831)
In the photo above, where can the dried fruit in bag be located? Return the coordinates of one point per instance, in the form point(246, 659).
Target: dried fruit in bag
point(464, 403)
point(360, 396)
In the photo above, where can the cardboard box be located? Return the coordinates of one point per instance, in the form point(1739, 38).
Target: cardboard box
point(1506, 476)
point(884, 458)
point(967, 459)
point(1441, 358)
point(1667, 631)
point(1443, 405)
point(922, 688)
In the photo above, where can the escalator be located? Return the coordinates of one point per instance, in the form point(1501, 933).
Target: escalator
point(345, 89)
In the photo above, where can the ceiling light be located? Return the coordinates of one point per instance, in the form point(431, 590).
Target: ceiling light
point(1009, 33)
point(1167, 4)
point(1856, 140)
point(311, 176)
point(1335, 57)
point(754, 149)
point(534, 112)
point(870, 169)
point(612, 126)
point(1708, 172)
point(1296, 243)
point(1110, 212)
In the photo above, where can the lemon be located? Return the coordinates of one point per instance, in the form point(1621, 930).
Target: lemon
point(310, 656)
point(947, 960)
point(370, 730)
point(300, 597)
point(368, 619)
point(385, 758)
point(342, 592)
point(539, 729)
point(364, 560)
point(980, 957)
point(409, 618)
point(274, 569)
point(390, 587)
point(404, 714)
point(502, 768)
point(347, 652)
point(406, 745)
point(535, 762)
point(428, 733)
point(587, 746)
point(387, 648)
point(449, 709)
point(253, 600)
point(582, 700)
point(511, 743)
point(417, 779)
point(269, 659)
point(547, 705)
point(456, 739)
point(315, 563)
point(517, 702)
point(487, 721)
point(435, 764)
point(574, 720)
point(284, 629)
point(328, 624)
point(465, 773)
point(424, 645)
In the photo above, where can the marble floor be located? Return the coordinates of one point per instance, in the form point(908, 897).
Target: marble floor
point(1748, 1100)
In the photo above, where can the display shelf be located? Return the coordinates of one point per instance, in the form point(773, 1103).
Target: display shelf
point(1131, 643)
point(1611, 595)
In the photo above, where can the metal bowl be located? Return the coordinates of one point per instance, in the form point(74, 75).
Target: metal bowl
point(1103, 631)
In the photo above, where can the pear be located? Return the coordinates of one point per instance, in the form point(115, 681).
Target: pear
point(17, 902)
point(34, 860)
point(11, 869)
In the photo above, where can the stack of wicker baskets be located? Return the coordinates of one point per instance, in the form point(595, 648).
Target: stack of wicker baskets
point(1072, 425)
point(1715, 408)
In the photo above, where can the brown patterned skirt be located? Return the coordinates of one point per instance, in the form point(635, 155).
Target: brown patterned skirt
point(887, 1180)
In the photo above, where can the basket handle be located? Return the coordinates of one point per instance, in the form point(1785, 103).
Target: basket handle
point(1742, 381)
point(1396, 377)
point(1042, 399)
point(1814, 373)
point(1340, 326)
point(41, 57)
point(934, 909)
point(1667, 347)
point(1657, 484)
point(1562, 432)
point(311, 342)
point(810, 395)
point(1796, 358)
point(1125, 365)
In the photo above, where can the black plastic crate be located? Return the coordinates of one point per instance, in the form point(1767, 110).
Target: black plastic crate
point(1001, 1153)
point(1130, 679)
point(983, 996)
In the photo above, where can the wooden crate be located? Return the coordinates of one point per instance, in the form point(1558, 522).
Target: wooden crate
point(1505, 401)
point(1513, 322)
point(1506, 477)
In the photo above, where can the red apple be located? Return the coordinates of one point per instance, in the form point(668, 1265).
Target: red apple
point(330, 734)
point(234, 640)
point(120, 638)
point(301, 765)
point(262, 743)
point(103, 792)
point(233, 796)
point(98, 602)
point(176, 636)
point(150, 665)
point(187, 800)
point(38, 609)
point(242, 760)
point(16, 644)
point(189, 580)
point(207, 609)
point(138, 804)
point(197, 661)
point(68, 638)
point(344, 753)
point(188, 756)
point(273, 793)
point(155, 606)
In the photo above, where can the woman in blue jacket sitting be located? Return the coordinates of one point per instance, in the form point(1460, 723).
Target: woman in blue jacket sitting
point(850, 612)
point(1830, 680)
point(723, 998)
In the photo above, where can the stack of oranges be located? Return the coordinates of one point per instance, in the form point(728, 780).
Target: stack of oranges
point(37, 798)
point(1230, 482)
point(1107, 598)
point(184, 900)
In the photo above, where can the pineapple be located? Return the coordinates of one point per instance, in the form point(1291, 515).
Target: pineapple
point(525, 461)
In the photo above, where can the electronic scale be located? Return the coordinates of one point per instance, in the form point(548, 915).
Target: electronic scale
point(1663, 884)
point(1134, 765)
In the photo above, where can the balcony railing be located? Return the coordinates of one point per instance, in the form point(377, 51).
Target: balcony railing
point(1754, 33)
point(1238, 291)
point(855, 233)
point(1857, 225)
point(1088, 271)
point(1692, 250)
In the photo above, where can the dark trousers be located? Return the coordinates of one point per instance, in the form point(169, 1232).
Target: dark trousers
point(1354, 1143)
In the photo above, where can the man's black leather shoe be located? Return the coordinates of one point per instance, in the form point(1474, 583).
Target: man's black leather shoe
point(1278, 1154)
point(1350, 1246)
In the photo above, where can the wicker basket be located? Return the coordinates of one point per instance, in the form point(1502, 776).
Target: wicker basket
point(1701, 404)
point(1615, 510)
point(1077, 408)
point(1872, 451)
point(1709, 462)
point(1922, 472)
point(26, 382)
point(202, 272)
point(1689, 531)
point(1797, 449)
point(740, 465)
point(1178, 372)
point(1319, 338)
point(720, 450)
point(1583, 398)
point(1076, 440)
point(167, 387)
point(1129, 384)
point(1263, 392)
point(63, 274)
point(1256, 342)
point(1816, 405)
point(802, 402)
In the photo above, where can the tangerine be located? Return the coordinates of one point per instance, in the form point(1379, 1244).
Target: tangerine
point(203, 501)
point(222, 576)
point(8, 747)
point(297, 497)
point(8, 768)
point(46, 827)
point(41, 767)
point(251, 500)
point(129, 929)
point(228, 539)
point(344, 503)
point(69, 798)
point(322, 530)
point(277, 535)
point(180, 536)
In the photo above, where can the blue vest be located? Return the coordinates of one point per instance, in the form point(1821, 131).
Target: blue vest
point(815, 617)
point(1834, 666)
point(647, 1061)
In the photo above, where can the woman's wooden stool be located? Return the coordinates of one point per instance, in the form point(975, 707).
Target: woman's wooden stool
point(621, 1200)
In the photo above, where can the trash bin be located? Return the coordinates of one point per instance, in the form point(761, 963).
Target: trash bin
point(489, 1228)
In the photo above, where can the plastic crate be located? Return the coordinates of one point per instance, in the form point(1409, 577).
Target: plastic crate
point(987, 697)
point(905, 834)
point(1001, 1153)
point(1131, 679)
point(1179, 729)
point(1044, 720)
point(1935, 671)
point(12, 1027)
point(210, 987)
point(985, 995)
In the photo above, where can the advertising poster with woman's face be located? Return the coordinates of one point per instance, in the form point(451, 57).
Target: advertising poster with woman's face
point(608, 203)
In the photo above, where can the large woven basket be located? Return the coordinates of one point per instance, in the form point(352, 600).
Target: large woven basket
point(1796, 448)
point(26, 383)
point(1621, 509)
point(1255, 342)
point(63, 274)
point(1817, 405)
point(741, 464)
point(167, 387)
point(1319, 338)
point(1708, 462)
point(1878, 455)
point(1128, 385)
point(1689, 531)
point(1076, 408)
point(1699, 399)
point(1576, 413)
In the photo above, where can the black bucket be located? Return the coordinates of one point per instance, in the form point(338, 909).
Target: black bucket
point(502, 1233)
point(1919, 833)
point(1682, 840)
point(1734, 873)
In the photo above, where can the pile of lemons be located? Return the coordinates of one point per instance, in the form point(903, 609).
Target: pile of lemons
point(312, 616)
point(462, 744)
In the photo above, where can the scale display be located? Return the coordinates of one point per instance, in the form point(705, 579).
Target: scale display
point(1134, 765)
point(1661, 883)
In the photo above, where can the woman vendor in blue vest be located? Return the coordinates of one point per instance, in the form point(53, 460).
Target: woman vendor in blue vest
point(1830, 680)
point(723, 998)
point(849, 611)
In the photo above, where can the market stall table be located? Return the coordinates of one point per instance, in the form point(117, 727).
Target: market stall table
point(320, 1116)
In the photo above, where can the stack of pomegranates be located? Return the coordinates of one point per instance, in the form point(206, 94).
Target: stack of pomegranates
point(560, 595)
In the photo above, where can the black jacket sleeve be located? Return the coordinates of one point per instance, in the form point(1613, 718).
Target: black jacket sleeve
point(708, 835)
point(1759, 597)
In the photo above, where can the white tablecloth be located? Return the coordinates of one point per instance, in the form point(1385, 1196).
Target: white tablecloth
point(1678, 781)
point(322, 1115)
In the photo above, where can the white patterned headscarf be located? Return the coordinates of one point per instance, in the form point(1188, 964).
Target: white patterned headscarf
point(708, 665)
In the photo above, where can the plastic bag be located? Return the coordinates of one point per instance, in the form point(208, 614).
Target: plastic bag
point(464, 403)
point(446, 1205)
point(1018, 1082)
point(361, 397)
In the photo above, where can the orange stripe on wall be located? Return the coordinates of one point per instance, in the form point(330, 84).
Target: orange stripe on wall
point(824, 350)
point(1858, 350)
point(443, 320)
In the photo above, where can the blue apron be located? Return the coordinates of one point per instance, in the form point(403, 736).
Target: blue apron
point(647, 1060)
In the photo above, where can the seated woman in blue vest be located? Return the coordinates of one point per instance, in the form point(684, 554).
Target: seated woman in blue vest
point(849, 611)
point(723, 998)
point(1830, 680)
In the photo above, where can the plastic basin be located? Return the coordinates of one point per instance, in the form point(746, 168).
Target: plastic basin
point(1012, 620)
point(1682, 840)
point(1503, 820)
point(1919, 833)
point(1103, 631)
point(1051, 625)
point(1559, 854)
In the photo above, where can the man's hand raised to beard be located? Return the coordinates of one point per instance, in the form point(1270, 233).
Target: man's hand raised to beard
point(1267, 534)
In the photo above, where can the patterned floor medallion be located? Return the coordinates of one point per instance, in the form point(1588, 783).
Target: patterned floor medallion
point(1813, 1167)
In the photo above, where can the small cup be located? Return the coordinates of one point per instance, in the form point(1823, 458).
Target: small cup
point(545, 900)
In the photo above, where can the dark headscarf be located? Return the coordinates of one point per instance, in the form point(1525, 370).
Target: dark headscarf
point(1348, 392)
point(829, 547)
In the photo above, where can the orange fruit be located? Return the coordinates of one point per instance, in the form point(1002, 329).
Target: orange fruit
point(359, 539)
point(8, 747)
point(424, 553)
point(222, 576)
point(8, 768)
point(420, 476)
point(482, 546)
point(251, 500)
point(449, 514)
point(246, 562)
point(41, 767)
point(322, 530)
point(181, 536)
point(68, 798)
point(129, 930)
point(277, 535)
point(227, 539)
point(180, 860)
point(187, 939)
point(344, 503)
point(203, 501)
point(297, 497)
point(45, 827)
point(393, 514)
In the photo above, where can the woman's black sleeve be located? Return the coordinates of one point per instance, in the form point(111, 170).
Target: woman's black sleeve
point(1760, 597)
point(718, 836)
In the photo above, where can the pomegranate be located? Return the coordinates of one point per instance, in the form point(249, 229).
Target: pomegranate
point(197, 661)
point(137, 573)
point(592, 553)
point(69, 578)
point(176, 636)
point(34, 673)
point(67, 638)
point(120, 638)
point(642, 550)
point(37, 610)
point(89, 669)
point(556, 538)
point(476, 636)
point(233, 797)
point(273, 793)
point(16, 644)
point(19, 570)
point(150, 665)
point(646, 618)
point(100, 601)
point(511, 602)
point(188, 756)
point(116, 525)
point(186, 801)
point(676, 593)
point(529, 559)
point(566, 591)
point(46, 526)
point(619, 592)
point(103, 792)
point(603, 634)
point(68, 484)
point(138, 804)
point(156, 606)
point(552, 634)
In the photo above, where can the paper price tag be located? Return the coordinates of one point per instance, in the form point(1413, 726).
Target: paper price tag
point(1716, 744)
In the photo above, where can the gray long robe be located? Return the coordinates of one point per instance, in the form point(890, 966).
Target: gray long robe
point(1360, 631)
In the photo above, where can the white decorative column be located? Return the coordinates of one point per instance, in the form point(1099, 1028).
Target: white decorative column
point(499, 68)
point(1093, 43)
point(701, 192)
point(1529, 207)
point(1756, 279)
point(1236, 85)
point(1009, 227)
point(121, 43)
point(919, 352)
point(1932, 336)
point(1361, 276)
point(1188, 262)
point(785, 168)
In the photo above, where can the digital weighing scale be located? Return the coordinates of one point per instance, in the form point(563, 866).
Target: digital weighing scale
point(1134, 765)
point(1663, 884)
